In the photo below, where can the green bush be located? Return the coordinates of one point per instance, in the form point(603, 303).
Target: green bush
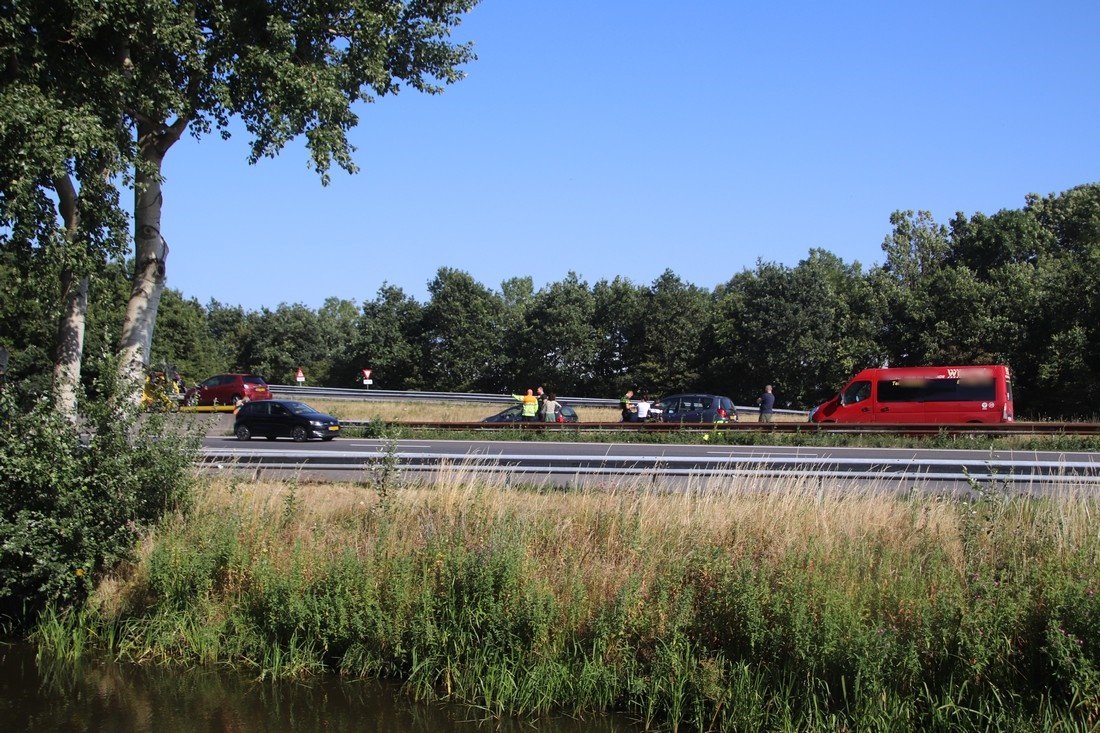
point(74, 498)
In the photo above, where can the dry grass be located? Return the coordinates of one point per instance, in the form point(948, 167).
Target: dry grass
point(596, 537)
point(599, 537)
point(424, 411)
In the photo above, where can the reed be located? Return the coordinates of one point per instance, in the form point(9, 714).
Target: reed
point(728, 605)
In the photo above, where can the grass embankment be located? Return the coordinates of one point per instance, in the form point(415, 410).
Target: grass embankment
point(711, 609)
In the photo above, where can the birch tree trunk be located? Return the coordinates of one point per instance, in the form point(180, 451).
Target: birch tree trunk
point(70, 329)
point(150, 253)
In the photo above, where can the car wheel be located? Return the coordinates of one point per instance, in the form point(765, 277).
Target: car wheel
point(243, 433)
point(299, 434)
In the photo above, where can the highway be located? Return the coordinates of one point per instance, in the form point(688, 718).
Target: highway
point(562, 463)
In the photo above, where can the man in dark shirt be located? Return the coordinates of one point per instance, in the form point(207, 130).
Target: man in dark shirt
point(767, 404)
point(628, 408)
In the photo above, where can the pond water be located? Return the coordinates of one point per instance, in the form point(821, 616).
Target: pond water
point(104, 696)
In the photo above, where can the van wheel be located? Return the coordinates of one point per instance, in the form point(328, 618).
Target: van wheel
point(243, 433)
point(299, 434)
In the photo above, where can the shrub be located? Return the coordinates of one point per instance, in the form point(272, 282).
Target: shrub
point(74, 498)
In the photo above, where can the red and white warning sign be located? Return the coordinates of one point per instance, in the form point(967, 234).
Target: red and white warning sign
point(366, 377)
point(300, 376)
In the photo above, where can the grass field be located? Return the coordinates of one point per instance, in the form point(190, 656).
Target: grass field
point(722, 607)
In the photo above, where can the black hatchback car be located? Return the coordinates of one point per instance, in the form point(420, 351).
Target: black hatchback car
point(283, 419)
point(515, 414)
point(696, 408)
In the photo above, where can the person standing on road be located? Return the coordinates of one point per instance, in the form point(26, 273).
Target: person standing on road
point(767, 404)
point(530, 407)
point(551, 408)
point(629, 414)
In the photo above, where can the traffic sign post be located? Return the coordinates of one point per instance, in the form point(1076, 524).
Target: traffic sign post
point(367, 381)
point(300, 377)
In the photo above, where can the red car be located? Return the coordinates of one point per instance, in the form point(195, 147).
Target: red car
point(228, 389)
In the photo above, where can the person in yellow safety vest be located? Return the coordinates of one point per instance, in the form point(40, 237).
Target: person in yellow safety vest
point(530, 405)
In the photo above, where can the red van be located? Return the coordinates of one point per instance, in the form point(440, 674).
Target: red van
point(910, 395)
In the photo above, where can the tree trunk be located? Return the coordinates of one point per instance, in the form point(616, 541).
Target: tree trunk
point(70, 329)
point(150, 253)
point(70, 344)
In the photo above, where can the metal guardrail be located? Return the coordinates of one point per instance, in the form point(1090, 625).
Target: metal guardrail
point(389, 395)
point(873, 468)
point(805, 428)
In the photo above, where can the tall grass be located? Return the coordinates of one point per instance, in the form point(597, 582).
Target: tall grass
point(722, 606)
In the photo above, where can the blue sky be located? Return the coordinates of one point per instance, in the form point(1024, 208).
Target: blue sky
point(623, 138)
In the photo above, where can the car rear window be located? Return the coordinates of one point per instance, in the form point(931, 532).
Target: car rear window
point(253, 379)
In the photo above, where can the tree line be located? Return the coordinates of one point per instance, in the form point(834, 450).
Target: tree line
point(93, 97)
point(1020, 287)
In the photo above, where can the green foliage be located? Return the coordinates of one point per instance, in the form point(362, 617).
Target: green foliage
point(387, 340)
point(863, 633)
point(462, 333)
point(74, 499)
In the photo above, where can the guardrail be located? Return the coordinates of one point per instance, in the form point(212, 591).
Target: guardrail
point(389, 395)
point(962, 471)
point(1012, 428)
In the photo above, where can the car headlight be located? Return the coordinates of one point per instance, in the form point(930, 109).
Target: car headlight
point(316, 423)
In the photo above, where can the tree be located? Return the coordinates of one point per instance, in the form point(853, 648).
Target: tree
point(60, 149)
point(558, 343)
point(388, 339)
point(183, 339)
point(672, 334)
point(462, 333)
point(132, 78)
point(618, 318)
point(279, 342)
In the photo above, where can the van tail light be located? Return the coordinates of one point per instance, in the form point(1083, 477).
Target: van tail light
point(722, 412)
point(1006, 416)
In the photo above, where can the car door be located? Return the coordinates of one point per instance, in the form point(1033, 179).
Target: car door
point(670, 409)
point(692, 408)
point(208, 390)
point(257, 417)
point(853, 404)
point(281, 421)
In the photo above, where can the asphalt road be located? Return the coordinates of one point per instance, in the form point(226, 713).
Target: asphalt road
point(573, 463)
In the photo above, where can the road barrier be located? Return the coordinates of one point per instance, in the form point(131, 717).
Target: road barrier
point(804, 428)
point(962, 471)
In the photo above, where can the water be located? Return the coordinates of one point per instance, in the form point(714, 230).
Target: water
point(104, 696)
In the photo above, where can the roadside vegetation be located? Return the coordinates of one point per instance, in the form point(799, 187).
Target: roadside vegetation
point(722, 607)
point(74, 498)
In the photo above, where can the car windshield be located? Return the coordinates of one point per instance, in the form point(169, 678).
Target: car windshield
point(299, 408)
